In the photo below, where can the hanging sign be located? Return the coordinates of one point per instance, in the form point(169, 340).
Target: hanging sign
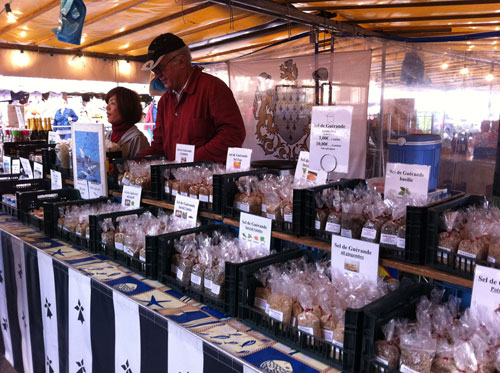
point(403, 179)
point(55, 180)
point(27, 167)
point(38, 170)
point(303, 172)
point(330, 138)
point(238, 159)
point(184, 153)
point(256, 230)
point(7, 163)
point(355, 257)
point(131, 196)
point(486, 288)
point(186, 208)
point(16, 166)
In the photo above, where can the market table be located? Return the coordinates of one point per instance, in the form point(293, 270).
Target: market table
point(63, 309)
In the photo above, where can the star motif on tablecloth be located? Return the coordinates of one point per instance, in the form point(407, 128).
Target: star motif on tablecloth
point(80, 310)
point(154, 302)
point(47, 306)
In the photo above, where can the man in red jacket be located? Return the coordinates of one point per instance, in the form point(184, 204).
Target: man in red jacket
point(198, 109)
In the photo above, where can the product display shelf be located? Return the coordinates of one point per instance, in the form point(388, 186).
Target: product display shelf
point(415, 269)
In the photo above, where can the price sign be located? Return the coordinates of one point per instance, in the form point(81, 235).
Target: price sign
point(256, 230)
point(38, 174)
point(330, 138)
point(83, 187)
point(486, 288)
point(7, 164)
point(186, 208)
point(407, 180)
point(131, 196)
point(54, 137)
point(55, 180)
point(238, 159)
point(95, 190)
point(184, 153)
point(27, 167)
point(16, 166)
point(355, 257)
point(303, 172)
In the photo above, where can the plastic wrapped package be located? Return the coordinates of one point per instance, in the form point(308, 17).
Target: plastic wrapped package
point(444, 361)
point(308, 321)
point(417, 352)
point(372, 227)
point(387, 350)
point(352, 220)
point(108, 233)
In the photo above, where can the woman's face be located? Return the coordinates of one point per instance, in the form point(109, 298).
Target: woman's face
point(114, 116)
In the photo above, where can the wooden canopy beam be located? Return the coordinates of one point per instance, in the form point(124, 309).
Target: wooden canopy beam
point(30, 16)
point(426, 18)
point(395, 5)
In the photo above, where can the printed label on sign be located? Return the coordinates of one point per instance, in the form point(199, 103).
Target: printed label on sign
point(277, 315)
point(207, 284)
point(38, 171)
point(317, 224)
point(142, 259)
point(131, 196)
point(380, 360)
point(491, 259)
point(355, 257)
point(466, 254)
point(303, 172)
point(119, 246)
point(16, 166)
point(388, 239)
point(327, 335)
point(256, 230)
point(7, 164)
point(203, 198)
point(260, 303)
point(263, 208)
point(55, 180)
point(330, 138)
point(215, 289)
point(83, 187)
point(195, 279)
point(306, 329)
point(288, 218)
point(401, 243)
point(369, 233)
point(95, 190)
point(332, 227)
point(244, 206)
point(167, 189)
point(486, 288)
point(184, 153)
point(193, 196)
point(238, 159)
point(128, 250)
point(27, 167)
point(337, 343)
point(346, 233)
point(54, 137)
point(186, 208)
point(180, 274)
point(403, 179)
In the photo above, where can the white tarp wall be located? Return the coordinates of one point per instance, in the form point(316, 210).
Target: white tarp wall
point(275, 97)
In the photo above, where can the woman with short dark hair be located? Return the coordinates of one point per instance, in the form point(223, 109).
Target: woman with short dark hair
point(124, 110)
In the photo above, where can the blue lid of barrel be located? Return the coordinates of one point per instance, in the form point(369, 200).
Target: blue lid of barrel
point(421, 137)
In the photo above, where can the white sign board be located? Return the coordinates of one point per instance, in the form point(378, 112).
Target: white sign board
point(256, 230)
point(38, 172)
point(182, 344)
point(27, 167)
point(131, 196)
point(238, 159)
point(355, 257)
point(7, 164)
point(55, 180)
point(83, 187)
point(95, 190)
point(20, 117)
point(303, 172)
point(186, 208)
point(406, 179)
point(330, 138)
point(184, 153)
point(16, 166)
point(486, 288)
point(54, 137)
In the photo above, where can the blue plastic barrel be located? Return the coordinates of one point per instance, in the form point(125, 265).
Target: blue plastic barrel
point(417, 149)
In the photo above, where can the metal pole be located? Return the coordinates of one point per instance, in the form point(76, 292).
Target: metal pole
point(381, 167)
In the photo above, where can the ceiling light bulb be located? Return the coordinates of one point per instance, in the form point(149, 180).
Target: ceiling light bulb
point(489, 77)
point(468, 42)
point(444, 66)
point(464, 71)
point(23, 34)
point(11, 18)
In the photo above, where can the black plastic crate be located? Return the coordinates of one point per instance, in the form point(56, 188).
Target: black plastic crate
point(23, 148)
point(346, 358)
point(158, 182)
point(148, 268)
point(117, 167)
point(51, 216)
point(28, 201)
point(49, 163)
point(443, 260)
point(310, 207)
point(228, 303)
point(15, 185)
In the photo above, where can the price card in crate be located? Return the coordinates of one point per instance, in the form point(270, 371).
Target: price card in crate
point(303, 172)
point(238, 159)
point(186, 208)
point(184, 153)
point(403, 179)
point(16, 166)
point(38, 172)
point(256, 230)
point(55, 180)
point(486, 288)
point(131, 196)
point(27, 167)
point(83, 187)
point(355, 257)
point(7, 162)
